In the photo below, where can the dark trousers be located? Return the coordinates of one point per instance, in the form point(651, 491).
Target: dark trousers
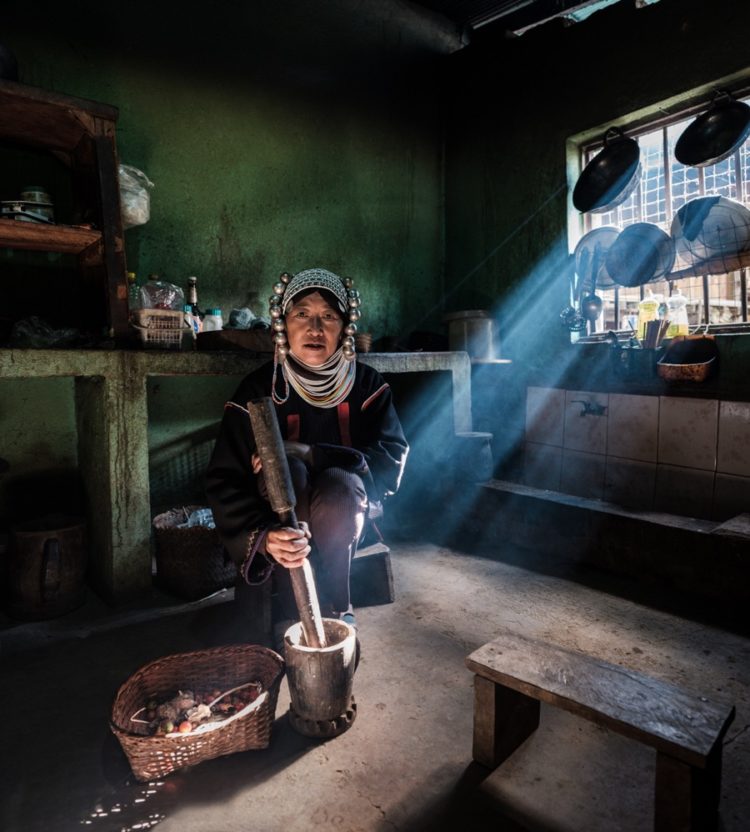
point(333, 502)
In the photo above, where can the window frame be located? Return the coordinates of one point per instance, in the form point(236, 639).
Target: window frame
point(657, 116)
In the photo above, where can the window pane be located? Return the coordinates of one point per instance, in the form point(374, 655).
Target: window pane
point(656, 201)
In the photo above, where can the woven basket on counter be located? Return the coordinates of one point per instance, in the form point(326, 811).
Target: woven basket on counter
point(190, 562)
point(223, 667)
point(689, 359)
point(160, 328)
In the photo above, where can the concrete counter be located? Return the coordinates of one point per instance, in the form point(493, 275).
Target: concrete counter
point(112, 426)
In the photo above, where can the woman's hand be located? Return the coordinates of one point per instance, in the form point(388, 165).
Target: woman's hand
point(287, 546)
point(256, 463)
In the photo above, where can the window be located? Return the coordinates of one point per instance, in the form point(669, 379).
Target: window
point(720, 300)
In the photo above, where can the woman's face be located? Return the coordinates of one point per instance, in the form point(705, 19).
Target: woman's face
point(314, 329)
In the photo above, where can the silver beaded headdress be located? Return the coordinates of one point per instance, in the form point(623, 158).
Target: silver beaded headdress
point(342, 288)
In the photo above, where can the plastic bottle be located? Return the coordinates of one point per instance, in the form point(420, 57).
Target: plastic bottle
point(134, 292)
point(648, 310)
point(192, 297)
point(213, 320)
point(160, 294)
point(678, 317)
point(189, 334)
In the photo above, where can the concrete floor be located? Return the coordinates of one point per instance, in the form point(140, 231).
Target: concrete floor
point(406, 762)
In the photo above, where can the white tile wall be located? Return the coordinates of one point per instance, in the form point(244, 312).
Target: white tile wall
point(582, 474)
point(633, 427)
point(545, 408)
point(734, 438)
point(675, 454)
point(630, 483)
point(585, 433)
point(685, 491)
point(688, 430)
point(731, 496)
point(542, 465)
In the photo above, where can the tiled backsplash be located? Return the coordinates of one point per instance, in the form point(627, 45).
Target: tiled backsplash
point(679, 455)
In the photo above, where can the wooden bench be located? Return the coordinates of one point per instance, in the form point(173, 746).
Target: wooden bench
point(513, 674)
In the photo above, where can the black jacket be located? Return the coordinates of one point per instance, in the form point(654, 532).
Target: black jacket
point(375, 448)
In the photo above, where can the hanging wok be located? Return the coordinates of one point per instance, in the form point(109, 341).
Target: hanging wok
point(611, 176)
point(715, 134)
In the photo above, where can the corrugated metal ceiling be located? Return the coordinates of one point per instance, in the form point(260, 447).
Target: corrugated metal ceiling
point(517, 16)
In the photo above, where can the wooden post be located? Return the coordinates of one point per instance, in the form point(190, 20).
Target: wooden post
point(503, 719)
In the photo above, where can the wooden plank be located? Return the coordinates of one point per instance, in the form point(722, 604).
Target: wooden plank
point(659, 714)
point(47, 119)
point(34, 236)
point(503, 720)
point(685, 797)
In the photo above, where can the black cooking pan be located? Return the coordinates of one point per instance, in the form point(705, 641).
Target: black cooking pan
point(715, 134)
point(611, 176)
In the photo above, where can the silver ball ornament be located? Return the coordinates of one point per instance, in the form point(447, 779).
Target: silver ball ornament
point(280, 338)
point(348, 282)
point(274, 300)
point(285, 277)
point(279, 325)
point(275, 311)
point(354, 302)
point(348, 342)
point(354, 315)
point(278, 288)
point(350, 329)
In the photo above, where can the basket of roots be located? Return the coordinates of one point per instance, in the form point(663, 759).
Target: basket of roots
point(186, 708)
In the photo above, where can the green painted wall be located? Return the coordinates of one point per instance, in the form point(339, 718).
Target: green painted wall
point(279, 136)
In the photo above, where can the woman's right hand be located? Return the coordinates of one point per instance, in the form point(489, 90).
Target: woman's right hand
point(287, 546)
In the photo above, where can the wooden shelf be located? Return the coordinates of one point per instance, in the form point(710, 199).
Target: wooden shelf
point(33, 236)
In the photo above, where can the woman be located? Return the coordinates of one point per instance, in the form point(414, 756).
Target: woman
point(344, 443)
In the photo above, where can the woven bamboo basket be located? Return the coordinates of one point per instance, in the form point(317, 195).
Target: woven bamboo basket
point(160, 328)
point(223, 667)
point(190, 562)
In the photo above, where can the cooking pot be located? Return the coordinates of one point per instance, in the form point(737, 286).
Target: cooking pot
point(715, 134)
point(611, 176)
point(642, 252)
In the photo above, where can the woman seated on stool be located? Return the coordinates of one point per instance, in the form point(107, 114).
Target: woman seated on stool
point(345, 446)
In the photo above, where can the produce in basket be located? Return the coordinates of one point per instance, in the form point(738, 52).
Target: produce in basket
point(187, 710)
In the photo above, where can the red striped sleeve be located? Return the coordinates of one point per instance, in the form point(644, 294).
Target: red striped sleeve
point(367, 402)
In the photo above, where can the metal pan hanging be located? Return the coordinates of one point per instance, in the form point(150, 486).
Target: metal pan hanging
point(611, 176)
point(642, 253)
point(715, 134)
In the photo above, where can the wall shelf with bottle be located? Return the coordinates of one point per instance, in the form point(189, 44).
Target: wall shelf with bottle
point(79, 136)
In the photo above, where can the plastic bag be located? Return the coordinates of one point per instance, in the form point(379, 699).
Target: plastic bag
point(35, 333)
point(135, 200)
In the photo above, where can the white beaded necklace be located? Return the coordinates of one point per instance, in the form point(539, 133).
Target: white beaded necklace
point(325, 386)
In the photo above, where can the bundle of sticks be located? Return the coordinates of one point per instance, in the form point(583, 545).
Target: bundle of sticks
point(655, 332)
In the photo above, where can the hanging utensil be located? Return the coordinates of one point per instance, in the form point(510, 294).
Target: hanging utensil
point(611, 176)
point(715, 134)
point(603, 238)
point(591, 304)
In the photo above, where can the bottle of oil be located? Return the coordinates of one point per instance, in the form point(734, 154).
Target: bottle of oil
point(648, 310)
point(678, 318)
